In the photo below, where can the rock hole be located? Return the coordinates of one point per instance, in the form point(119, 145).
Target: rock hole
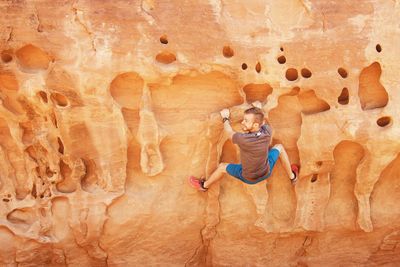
point(314, 178)
point(31, 152)
point(89, 181)
point(37, 169)
point(21, 215)
point(227, 51)
point(126, 89)
point(256, 92)
point(49, 172)
point(378, 48)
point(67, 185)
point(33, 58)
point(281, 59)
point(43, 96)
point(6, 200)
point(258, 67)
point(164, 39)
point(166, 57)
point(42, 212)
point(281, 48)
point(65, 170)
point(59, 99)
point(34, 192)
point(54, 119)
point(384, 121)
point(306, 73)
point(244, 66)
point(342, 72)
point(319, 163)
point(343, 99)
point(6, 56)
point(60, 146)
point(311, 103)
point(371, 92)
point(27, 132)
point(291, 74)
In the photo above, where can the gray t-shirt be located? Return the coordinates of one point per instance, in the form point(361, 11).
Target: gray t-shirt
point(254, 151)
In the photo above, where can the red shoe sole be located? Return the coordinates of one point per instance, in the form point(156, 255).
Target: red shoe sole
point(295, 168)
point(192, 181)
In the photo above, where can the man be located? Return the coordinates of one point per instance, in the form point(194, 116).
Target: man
point(257, 161)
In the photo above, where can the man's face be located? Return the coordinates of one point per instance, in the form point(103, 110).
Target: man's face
point(248, 124)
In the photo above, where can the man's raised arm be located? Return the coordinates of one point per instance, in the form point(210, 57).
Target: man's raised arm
point(227, 125)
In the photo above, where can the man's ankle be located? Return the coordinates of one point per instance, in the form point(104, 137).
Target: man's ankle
point(202, 183)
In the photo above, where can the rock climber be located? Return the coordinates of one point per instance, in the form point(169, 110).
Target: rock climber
point(257, 161)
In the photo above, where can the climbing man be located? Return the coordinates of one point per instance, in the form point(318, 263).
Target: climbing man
point(257, 162)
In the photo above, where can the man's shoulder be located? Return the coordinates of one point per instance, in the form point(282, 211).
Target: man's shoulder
point(238, 137)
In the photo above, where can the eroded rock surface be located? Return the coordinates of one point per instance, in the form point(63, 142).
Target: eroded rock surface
point(107, 107)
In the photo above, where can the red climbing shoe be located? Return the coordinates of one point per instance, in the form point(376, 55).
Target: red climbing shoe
point(197, 183)
point(295, 170)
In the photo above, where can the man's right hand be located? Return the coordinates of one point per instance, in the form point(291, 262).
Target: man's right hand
point(224, 113)
point(227, 126)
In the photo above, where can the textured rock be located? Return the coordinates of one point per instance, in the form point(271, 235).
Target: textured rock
point(106, 108)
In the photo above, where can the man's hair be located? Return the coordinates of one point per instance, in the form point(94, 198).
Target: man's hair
point(258, 114)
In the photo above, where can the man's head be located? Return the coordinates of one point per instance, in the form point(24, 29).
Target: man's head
point(253, 119)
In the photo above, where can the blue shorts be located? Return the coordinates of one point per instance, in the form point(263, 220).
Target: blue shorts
point(235, 170)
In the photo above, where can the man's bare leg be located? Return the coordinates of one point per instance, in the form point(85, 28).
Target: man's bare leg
point(216, 175)
point(285, 160)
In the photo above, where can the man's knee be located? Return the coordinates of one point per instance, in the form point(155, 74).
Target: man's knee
point(278, 147)
point(222, 167)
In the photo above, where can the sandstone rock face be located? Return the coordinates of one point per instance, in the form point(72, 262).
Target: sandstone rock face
point(108, 106)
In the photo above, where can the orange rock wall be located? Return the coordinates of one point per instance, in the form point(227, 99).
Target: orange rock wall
point(106, 107)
